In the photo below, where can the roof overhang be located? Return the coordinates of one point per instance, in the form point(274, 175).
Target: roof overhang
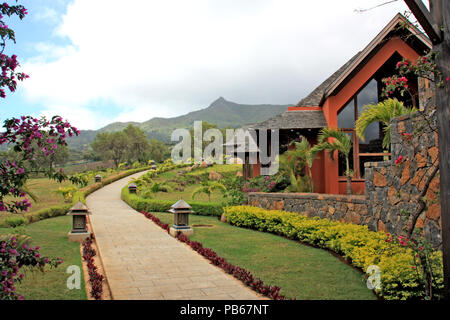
point(371, 47)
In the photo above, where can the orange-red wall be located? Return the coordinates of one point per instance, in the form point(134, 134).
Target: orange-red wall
point(333, 104)
point(324, 170)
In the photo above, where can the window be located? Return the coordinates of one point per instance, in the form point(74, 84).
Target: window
point(371, 148)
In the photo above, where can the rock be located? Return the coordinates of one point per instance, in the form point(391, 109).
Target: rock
point(379, 180)
point(223, 217)
point(214, 176)
point(381, 226)
point(434, 211)
point(421, 160)
point(405, 173)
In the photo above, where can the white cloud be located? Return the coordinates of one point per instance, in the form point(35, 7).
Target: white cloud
point(167, 57)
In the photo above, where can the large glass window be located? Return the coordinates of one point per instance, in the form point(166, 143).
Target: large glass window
point(371, 148)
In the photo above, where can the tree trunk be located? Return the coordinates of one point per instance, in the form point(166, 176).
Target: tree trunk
point(349, 177)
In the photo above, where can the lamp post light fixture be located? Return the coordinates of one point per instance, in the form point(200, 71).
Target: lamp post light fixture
point(181, 211)
point(79, 230)
point(98, 178)
point(132, 188)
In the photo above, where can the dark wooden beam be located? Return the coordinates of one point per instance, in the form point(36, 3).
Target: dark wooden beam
point(426, 20)
point(440, 9)
point(436, 24)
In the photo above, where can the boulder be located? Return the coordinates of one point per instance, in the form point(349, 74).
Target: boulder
point(214, 176)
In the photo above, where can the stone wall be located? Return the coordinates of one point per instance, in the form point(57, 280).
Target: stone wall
point(345, 208)
point(391, 190)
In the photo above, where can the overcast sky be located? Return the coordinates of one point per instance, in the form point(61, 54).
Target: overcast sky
point(99, 61)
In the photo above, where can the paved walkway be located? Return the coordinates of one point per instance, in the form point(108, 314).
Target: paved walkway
point(142, 261)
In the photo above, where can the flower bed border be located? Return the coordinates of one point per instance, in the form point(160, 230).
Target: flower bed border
point(95, 278)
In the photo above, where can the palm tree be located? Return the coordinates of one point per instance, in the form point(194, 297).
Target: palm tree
point(341, 143)
point(160, 187)
point(382, 112)
point(292, 160)
point(208, 188)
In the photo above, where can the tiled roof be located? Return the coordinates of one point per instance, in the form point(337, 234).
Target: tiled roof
point(295, 119)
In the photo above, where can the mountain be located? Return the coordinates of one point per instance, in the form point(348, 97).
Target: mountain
point(221, 112)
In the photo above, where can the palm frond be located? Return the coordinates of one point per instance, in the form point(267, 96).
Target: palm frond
point(382, 112)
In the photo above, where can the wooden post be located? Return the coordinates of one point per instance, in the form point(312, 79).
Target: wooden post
point(441, 13)
point(436, 25)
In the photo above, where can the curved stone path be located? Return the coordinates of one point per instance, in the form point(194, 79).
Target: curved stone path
point(142, 261)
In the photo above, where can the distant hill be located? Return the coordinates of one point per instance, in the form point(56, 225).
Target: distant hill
point(221, 112)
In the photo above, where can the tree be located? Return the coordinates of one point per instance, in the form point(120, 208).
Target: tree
point(341, 143)
point(158, 151)
point(296, 164)
point(9, 64)
point(111, 146)
point(138, 145)
point(26, 135)
point(209, 188)
point(382, 112)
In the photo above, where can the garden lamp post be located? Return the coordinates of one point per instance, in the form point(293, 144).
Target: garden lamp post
point(132, 188)
point(79, 230)
point(181, 211)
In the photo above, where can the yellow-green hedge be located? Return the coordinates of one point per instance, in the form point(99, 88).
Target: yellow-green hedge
point(360, 246)
point(158, 205)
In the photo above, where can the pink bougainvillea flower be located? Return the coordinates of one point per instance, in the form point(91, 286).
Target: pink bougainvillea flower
point(399, 160)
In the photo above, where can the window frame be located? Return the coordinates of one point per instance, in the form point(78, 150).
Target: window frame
point(356, 154)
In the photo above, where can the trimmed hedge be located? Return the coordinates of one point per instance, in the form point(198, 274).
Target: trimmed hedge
point(155, 205)
point(80, 195)
point(361, 247)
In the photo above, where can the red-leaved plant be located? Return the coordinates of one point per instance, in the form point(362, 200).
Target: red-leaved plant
point(95, 278)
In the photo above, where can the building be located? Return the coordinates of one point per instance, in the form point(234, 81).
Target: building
point(337, 101)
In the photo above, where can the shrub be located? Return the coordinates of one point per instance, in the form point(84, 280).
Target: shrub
point(15, 221)
point(157, 205)
point(15, 253)
point(80, 195)
point(361, 247)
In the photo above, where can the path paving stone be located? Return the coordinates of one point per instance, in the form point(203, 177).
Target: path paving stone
point(143, 262)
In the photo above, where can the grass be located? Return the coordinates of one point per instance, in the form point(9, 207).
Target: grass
point(302, 272)
point(44, 189)
point(51, 236)
point(186, 194)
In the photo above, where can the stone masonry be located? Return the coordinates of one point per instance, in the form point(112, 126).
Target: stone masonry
point(391, 189)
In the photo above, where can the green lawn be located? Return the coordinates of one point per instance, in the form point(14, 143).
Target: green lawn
point(51, 236)
point(301, 271)
point(44, 189)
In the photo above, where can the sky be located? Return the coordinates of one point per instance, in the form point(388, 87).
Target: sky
point(95, 62)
